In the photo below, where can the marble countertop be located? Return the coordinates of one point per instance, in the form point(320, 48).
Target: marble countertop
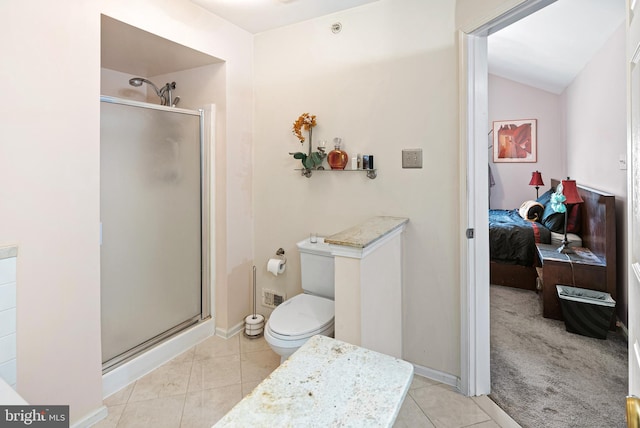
point(366, 233)
point(326, 383)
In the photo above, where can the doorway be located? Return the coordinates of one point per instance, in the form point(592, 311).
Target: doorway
point(475, 331)
point(474, 39)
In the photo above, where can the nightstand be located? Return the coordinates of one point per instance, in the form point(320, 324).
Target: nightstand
point(581, 269)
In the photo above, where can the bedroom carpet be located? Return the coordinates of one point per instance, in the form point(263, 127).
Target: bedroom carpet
point(544, 376)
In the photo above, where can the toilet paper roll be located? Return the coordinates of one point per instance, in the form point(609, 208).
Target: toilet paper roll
point(275, 266)
point(253, 325)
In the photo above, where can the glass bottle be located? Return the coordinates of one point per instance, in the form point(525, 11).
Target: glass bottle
point(337, 158)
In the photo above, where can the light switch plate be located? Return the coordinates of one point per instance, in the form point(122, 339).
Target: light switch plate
point(412, 158)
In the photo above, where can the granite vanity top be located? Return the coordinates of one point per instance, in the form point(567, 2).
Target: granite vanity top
point(366, 233)
point(325, 383)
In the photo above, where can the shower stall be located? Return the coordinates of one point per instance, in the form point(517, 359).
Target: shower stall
point(154, 247)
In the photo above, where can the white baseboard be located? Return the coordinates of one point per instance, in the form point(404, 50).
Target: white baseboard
point(436, 375)
point(224, 333)
point(153, 358)
point(92, 418)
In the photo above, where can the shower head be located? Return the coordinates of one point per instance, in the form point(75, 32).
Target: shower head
point(164, 93)
point(138, 81)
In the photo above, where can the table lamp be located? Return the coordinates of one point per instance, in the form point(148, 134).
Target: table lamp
point(536, 180)
point(570, 192)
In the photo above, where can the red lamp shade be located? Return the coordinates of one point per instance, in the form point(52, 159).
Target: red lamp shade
point(570, 191)
point(536, 179)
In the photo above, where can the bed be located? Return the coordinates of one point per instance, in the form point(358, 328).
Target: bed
point(512, 244)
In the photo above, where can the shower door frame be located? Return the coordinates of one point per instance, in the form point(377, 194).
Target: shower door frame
point(205, 231)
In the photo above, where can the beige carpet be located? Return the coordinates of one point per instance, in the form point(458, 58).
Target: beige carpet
point(543, 376)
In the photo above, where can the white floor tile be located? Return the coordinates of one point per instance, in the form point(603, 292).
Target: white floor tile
point(216, 346)
point(446, 408)
point(205, 408)
point(165, 412)
point(167, 380)
point(201, 385)
point(215, 373)
point(258, 365)
point(411, 416)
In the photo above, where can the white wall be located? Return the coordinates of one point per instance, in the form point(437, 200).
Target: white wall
point(385, 83)
point(50, 170)
point(595, 105)
point(596, 128)
point(509, 100)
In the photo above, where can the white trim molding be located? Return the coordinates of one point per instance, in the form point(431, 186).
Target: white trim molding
point(148, 361)
point(436, 375)
point(475, 368)
point(92, 419)
point(227, 333)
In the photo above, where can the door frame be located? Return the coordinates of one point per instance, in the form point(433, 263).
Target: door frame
point(475, 371)
point(633, 138)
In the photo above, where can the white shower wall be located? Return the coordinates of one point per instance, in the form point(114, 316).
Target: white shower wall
point(8, 261)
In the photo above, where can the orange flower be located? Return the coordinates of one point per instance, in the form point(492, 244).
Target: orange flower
point(306, 121)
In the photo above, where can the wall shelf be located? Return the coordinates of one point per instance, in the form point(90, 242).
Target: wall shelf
point(371, 173)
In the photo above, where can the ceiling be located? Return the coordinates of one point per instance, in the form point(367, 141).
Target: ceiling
point(545, 50)
point(257, 16)
point(549, 48)
point(131, 50)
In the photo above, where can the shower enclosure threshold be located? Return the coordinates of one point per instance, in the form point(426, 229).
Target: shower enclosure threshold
point(170, 345)
point(118, 360)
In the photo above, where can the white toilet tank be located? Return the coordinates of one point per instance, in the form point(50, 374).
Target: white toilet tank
point(317, 268)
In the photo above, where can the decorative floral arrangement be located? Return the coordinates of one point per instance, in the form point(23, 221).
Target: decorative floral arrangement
point(311, 159)
point(306, 121)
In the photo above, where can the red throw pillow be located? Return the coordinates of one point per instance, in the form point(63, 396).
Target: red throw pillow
point(573, 219)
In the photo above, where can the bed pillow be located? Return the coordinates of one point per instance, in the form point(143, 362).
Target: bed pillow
point(531, 211)
point(545, 197)
point(550, 219)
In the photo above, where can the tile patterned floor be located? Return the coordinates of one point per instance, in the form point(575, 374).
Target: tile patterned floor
point(198, 387)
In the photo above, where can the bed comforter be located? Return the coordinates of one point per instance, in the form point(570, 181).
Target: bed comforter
point(512, 239)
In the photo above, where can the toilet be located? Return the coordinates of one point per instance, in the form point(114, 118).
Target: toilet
point(294, 321)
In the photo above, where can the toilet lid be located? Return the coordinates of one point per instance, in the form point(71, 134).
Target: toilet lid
point(301, 315)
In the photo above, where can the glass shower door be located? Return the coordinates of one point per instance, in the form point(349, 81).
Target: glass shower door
point(150, 210)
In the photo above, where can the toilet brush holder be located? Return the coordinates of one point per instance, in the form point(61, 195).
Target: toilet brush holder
point(254, 323)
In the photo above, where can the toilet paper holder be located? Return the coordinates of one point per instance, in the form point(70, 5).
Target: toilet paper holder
point(280, 253)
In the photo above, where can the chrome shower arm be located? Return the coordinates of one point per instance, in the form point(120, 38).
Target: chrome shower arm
point(164, 93)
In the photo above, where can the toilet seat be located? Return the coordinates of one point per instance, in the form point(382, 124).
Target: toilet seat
point(301, 317)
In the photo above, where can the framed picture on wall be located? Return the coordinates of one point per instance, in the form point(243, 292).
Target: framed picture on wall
point(515, 141)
